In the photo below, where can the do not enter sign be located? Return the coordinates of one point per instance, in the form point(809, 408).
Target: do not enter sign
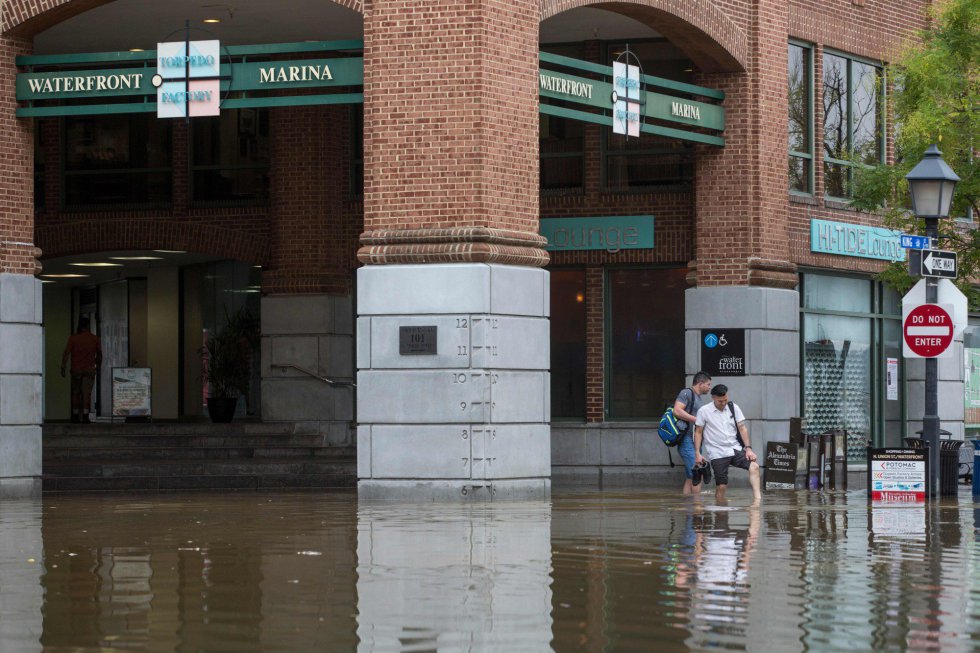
point(927, 330)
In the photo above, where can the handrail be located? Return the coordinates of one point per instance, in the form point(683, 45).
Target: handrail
point(327, 380)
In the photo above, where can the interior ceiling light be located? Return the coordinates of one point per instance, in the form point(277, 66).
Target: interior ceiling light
point(101, 264)
point(136, 258)
point(137, 50)
point(65, 276)
point(212, 20)
point(169, 251)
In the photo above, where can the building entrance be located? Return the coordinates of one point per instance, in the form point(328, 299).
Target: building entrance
point(153, 310)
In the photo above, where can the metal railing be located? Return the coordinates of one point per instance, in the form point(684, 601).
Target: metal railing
point(329, 381)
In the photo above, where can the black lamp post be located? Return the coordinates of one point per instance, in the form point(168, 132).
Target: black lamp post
point(931, 185)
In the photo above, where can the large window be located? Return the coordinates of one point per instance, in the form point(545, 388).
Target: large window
point(644, 341)
point(852, 360)
point(568, 344)
point(230, 157)
point(853, 120)
point(800, 118)
point(118, 160)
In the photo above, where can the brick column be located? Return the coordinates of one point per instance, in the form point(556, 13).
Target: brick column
point(307, 311)
point(744, 275)
point(451, 243)
point(21, 353)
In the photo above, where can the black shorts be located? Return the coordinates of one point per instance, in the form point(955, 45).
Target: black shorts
point(721, 465)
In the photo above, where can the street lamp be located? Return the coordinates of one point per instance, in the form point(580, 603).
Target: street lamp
point(931, 185)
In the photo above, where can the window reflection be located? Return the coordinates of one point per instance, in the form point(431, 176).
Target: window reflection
point(645, 341)
point(231, 156)
point(567, 344)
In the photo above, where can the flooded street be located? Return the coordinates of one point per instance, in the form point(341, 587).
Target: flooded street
point(588, 571)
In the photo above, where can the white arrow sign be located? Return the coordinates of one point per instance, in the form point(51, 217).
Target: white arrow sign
point(934, 264)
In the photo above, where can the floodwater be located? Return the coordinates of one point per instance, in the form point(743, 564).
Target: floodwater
point(587, 571)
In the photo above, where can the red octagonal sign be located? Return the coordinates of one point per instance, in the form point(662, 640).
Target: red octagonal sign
point(928, 330)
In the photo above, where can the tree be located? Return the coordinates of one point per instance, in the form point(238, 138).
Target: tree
point(935, 99)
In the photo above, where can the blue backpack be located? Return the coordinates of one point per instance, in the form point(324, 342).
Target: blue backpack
point(669, 430)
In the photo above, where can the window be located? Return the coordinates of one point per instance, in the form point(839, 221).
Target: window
point(649, 161)
point(562, 140)
point(117, 160)
point(568, 344)
point(562, 146)
point(800, 118)
point(852, 360)
point(853, 120)
point(644, 342)
point(230, 157)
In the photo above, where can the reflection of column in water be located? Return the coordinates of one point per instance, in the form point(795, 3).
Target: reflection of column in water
point(22, 561)
point(454, 577)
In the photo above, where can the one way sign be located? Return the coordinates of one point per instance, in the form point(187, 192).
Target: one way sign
point(936, 263)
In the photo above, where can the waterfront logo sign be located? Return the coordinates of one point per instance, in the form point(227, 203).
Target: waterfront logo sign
point(188, 79)
point(626, 95)
point(612, 234)
point(856, 240)
point(723, 352)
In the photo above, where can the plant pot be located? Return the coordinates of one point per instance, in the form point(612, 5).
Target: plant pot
point(222, 409)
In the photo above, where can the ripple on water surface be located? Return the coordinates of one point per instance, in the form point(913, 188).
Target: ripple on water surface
point(588, 571)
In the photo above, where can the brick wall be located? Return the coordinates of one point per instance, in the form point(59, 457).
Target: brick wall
point(17, 251)
point(450, 124)
point(305, 238)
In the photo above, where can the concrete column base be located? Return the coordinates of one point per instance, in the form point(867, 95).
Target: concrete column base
point(951, 388)
point(21, 367)
point(769, 393)
point(305, 337)
point(462, 412)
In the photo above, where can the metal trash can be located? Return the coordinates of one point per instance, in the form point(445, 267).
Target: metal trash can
point(949, 461)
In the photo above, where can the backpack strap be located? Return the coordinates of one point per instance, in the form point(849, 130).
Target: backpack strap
point(738, 434)
point(687, 409)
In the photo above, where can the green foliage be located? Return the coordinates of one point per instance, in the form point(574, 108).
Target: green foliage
point(935, 99)
point(229, 355)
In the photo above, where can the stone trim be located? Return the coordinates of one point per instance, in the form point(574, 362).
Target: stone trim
point(452, 245)
point(772, 274)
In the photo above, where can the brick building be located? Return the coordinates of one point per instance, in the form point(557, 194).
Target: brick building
point(413, 218)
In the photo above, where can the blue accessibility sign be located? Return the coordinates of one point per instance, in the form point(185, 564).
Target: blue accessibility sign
point(914, 242)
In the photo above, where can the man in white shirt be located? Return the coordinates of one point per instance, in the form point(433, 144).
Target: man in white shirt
point(718, 427)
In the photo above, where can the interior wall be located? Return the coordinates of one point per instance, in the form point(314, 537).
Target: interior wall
point(57, 328)
point(163, 337)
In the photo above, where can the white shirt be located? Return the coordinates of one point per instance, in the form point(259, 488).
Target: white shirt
point(718, 440)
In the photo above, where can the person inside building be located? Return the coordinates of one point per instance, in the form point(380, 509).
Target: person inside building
point(721, 427)
point(85, 352)
point(685, 410)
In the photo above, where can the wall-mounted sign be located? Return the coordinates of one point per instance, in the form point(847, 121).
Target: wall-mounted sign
point(857, 240)
point(132, 391)
point(897, 475)
point(188, 79)
point(629, 101)
point(612, 233)
point(626, 95)
point(417, 340)
point(783, 466)
point(723, 352)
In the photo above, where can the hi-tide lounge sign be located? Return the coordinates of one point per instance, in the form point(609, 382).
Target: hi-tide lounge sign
point(190, 78)
point(622, 97)
point(846, 239)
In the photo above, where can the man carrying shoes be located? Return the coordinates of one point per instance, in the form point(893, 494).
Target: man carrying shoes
point(720, 426)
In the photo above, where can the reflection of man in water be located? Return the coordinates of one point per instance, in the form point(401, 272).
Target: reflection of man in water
point(85, 352)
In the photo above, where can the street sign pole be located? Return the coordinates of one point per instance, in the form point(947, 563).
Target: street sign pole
point(930, 418)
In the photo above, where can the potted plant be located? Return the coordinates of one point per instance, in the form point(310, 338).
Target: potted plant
point(228, 363)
